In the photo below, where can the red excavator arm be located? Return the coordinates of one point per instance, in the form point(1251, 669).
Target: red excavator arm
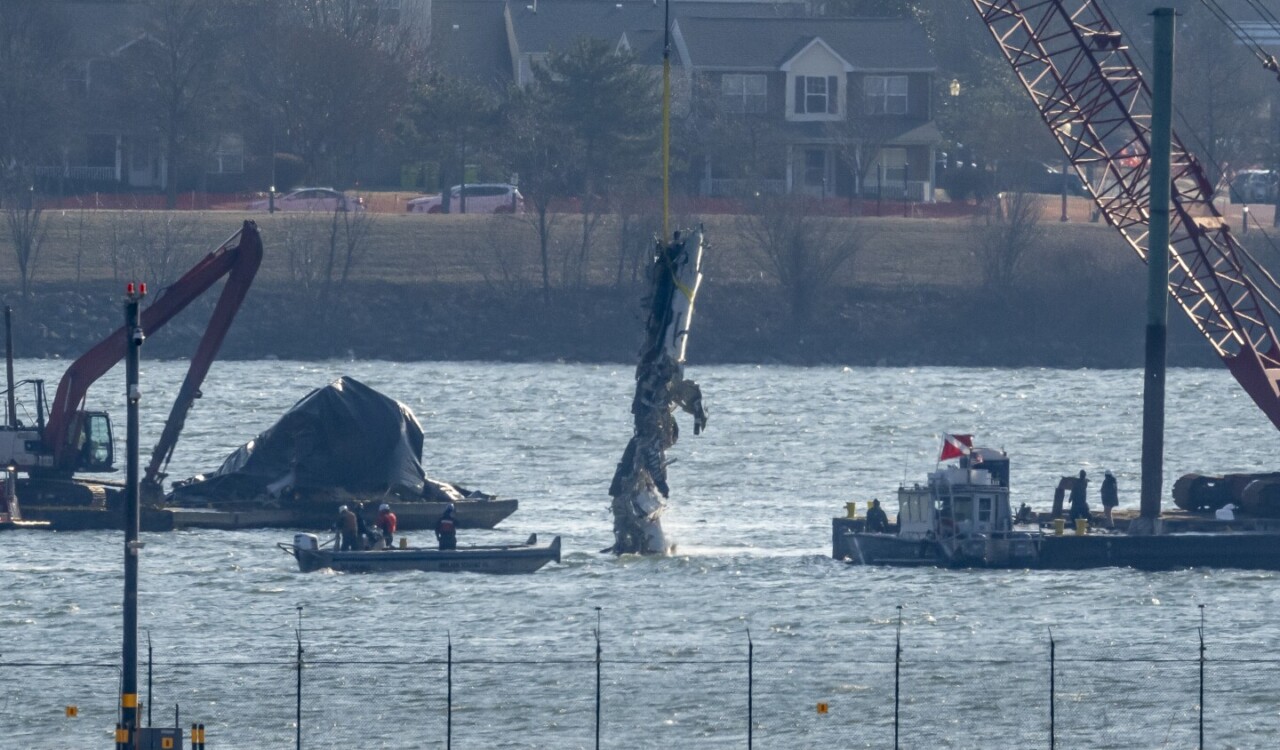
point(1078, 71)
point(238, 259)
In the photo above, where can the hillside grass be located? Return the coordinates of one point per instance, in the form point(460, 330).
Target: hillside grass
point(502, 251)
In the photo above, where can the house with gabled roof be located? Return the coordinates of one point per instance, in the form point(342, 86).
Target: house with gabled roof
point(825, 106)
point(845, 101)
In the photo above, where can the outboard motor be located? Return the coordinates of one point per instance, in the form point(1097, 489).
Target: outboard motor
point(305, 543)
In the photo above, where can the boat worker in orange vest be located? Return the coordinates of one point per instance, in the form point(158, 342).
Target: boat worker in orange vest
point(447, 529)
point(386, 524)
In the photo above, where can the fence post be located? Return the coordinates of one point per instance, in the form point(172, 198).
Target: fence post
point(1201, 712)
point(597, 678)
point(297, 716)
point(1053, 665)
point(448, 726)
point(897, 667)
point(751, 660)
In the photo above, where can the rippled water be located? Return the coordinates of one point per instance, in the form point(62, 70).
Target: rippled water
point(751, 505)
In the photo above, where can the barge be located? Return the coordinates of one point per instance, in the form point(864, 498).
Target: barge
point(961, 517)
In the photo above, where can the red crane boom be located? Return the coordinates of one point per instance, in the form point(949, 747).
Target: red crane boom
point(238, 259)
point(1073, 63)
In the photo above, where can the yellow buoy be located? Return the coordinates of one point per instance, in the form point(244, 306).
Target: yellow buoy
point(851, 510)
point(1059, 526)
point(1082, 526)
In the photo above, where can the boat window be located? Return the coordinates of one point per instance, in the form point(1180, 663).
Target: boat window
point(984, 510)
point(964, 509)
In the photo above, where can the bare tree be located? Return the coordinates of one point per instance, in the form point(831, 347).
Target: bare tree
point(324, 248)
point(33, 116)
point(801, 250)
point(150, 246)
point(1005, 235)
point(28, 230)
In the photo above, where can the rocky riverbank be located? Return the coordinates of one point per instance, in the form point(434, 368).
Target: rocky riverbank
point(1043, 325)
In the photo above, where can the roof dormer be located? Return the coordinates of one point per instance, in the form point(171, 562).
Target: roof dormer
point(817, 83)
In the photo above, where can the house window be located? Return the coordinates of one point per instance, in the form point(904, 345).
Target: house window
point(816, 95)
point(744, 92)
point(885, 95)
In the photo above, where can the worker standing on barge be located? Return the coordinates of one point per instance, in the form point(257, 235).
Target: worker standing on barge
point(1110, 498)
point(447, 529)
point(1079, 502)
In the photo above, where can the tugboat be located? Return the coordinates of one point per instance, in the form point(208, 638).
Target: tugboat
point(960, 517)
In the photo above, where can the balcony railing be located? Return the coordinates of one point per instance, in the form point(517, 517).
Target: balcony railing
point(88, 174)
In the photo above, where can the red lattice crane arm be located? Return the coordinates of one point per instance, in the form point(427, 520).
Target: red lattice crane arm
point(1073, 63)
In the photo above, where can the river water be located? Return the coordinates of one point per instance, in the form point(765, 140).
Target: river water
point(751, 505)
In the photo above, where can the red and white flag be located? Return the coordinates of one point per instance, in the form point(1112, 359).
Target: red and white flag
point(955, 446)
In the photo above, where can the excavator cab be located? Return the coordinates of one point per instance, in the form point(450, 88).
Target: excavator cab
point(95, 450)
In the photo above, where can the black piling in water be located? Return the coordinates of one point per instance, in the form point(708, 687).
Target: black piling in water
point(297, 717)
point(598, 652)
point(448, 728)
point(1201, 711)
point(897, 668)
point(751, 662)
point(1053, 666)
point(1153, 394)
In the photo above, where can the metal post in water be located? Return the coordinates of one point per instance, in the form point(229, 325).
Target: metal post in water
point(149, 660)
point(8, 363)
point(133, 394)
point(448, 728)
point(1157, 274)
point(751, 661)
point(1201, 676)
point(1053, 666)
point(297, 715)
point(897, 666)
point(597, 678)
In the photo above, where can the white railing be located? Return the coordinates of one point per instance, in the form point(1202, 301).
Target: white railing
point(97, 174)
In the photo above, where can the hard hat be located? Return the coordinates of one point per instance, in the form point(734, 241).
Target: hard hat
point(449, 508)
point(343, 509)
point(384, 507)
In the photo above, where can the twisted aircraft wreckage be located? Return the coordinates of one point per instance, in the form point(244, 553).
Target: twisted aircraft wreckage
point(639, 488)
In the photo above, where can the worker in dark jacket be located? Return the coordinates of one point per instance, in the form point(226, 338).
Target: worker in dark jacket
point(1079, 503)
point(447, 529)
point(877, 519)
point(1110, 497)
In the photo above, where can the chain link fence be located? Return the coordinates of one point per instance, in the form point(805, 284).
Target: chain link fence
point(872, 695)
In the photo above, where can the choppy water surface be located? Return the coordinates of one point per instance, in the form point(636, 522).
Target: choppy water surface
point(751, 506)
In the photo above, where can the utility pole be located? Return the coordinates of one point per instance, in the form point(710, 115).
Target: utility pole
point(129, 677)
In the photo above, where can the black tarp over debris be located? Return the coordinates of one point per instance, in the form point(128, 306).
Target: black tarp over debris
point(345, 435)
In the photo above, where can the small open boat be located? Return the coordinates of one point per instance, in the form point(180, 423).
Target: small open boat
point(504, 559)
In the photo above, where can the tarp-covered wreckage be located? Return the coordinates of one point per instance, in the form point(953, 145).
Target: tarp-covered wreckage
point(344, 436)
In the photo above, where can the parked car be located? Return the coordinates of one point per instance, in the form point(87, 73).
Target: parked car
point(1037, 177)
point(1253, 186)
point(326, 200)
point(482, 198)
